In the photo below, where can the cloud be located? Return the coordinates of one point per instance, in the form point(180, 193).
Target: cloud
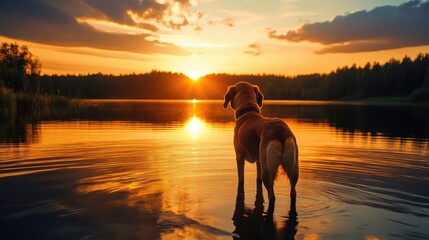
point(57, 23)
point(170, 13)
point(382, 28)
point(253, 49)
point(173, 14)
point(228, 22)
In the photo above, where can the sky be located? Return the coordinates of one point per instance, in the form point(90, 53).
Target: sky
point(198, 37)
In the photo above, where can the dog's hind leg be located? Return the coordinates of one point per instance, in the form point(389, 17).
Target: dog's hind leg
point(273, 156)
point(269, 185)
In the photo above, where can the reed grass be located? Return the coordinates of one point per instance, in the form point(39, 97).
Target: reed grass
point(12, 103)
point(7, 102)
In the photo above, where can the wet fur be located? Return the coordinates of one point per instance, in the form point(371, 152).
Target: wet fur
point(267, 141)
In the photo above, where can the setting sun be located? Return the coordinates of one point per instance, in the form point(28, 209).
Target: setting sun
point(194, 74)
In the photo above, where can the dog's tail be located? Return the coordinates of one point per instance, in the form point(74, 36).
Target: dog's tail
point(286, 155)
point(290, 160)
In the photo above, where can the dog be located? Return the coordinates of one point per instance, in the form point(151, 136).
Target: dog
point(268, 142)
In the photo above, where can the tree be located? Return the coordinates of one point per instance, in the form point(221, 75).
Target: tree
point(18, 66)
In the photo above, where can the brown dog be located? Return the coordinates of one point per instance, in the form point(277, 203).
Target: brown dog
point(267, 141)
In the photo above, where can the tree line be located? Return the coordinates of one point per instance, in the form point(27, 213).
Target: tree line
point(395, 78)
point(406, 77)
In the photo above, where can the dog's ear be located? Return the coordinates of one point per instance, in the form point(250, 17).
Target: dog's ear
point(229, 96)
point(259, 96)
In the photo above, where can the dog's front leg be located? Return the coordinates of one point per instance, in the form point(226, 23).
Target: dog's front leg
point(258, 173)
point(240, 170)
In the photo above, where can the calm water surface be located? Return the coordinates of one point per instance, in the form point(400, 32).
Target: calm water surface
point(166, 170)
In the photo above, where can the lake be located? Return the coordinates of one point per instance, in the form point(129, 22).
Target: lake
point(134, 169)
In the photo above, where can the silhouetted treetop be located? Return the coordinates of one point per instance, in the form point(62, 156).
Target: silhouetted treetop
point(17, 66)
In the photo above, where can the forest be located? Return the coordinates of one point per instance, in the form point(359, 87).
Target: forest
point(401, 78)
point(404, 78)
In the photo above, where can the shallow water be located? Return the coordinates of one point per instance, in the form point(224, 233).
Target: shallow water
point(166, 170)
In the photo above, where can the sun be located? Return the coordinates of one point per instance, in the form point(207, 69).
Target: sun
point(194, 74)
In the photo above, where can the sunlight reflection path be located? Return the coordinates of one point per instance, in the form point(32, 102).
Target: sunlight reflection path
point(195, 126)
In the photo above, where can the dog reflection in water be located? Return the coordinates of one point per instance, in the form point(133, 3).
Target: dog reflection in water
point(254, 224)
point(268, 142)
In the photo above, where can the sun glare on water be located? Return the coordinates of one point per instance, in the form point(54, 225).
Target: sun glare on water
point(195, 126)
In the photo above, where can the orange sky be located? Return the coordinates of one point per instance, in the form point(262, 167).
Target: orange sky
point(214, 36)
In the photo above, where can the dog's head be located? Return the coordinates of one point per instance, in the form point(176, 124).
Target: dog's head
point(242, 95)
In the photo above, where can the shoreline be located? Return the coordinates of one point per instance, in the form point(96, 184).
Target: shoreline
point(388, 101)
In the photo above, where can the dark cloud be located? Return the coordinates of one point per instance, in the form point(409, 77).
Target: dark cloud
point(253, 49)
point(116, 11)
point(386, 27)
point(119, 11)
point(55, 23)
